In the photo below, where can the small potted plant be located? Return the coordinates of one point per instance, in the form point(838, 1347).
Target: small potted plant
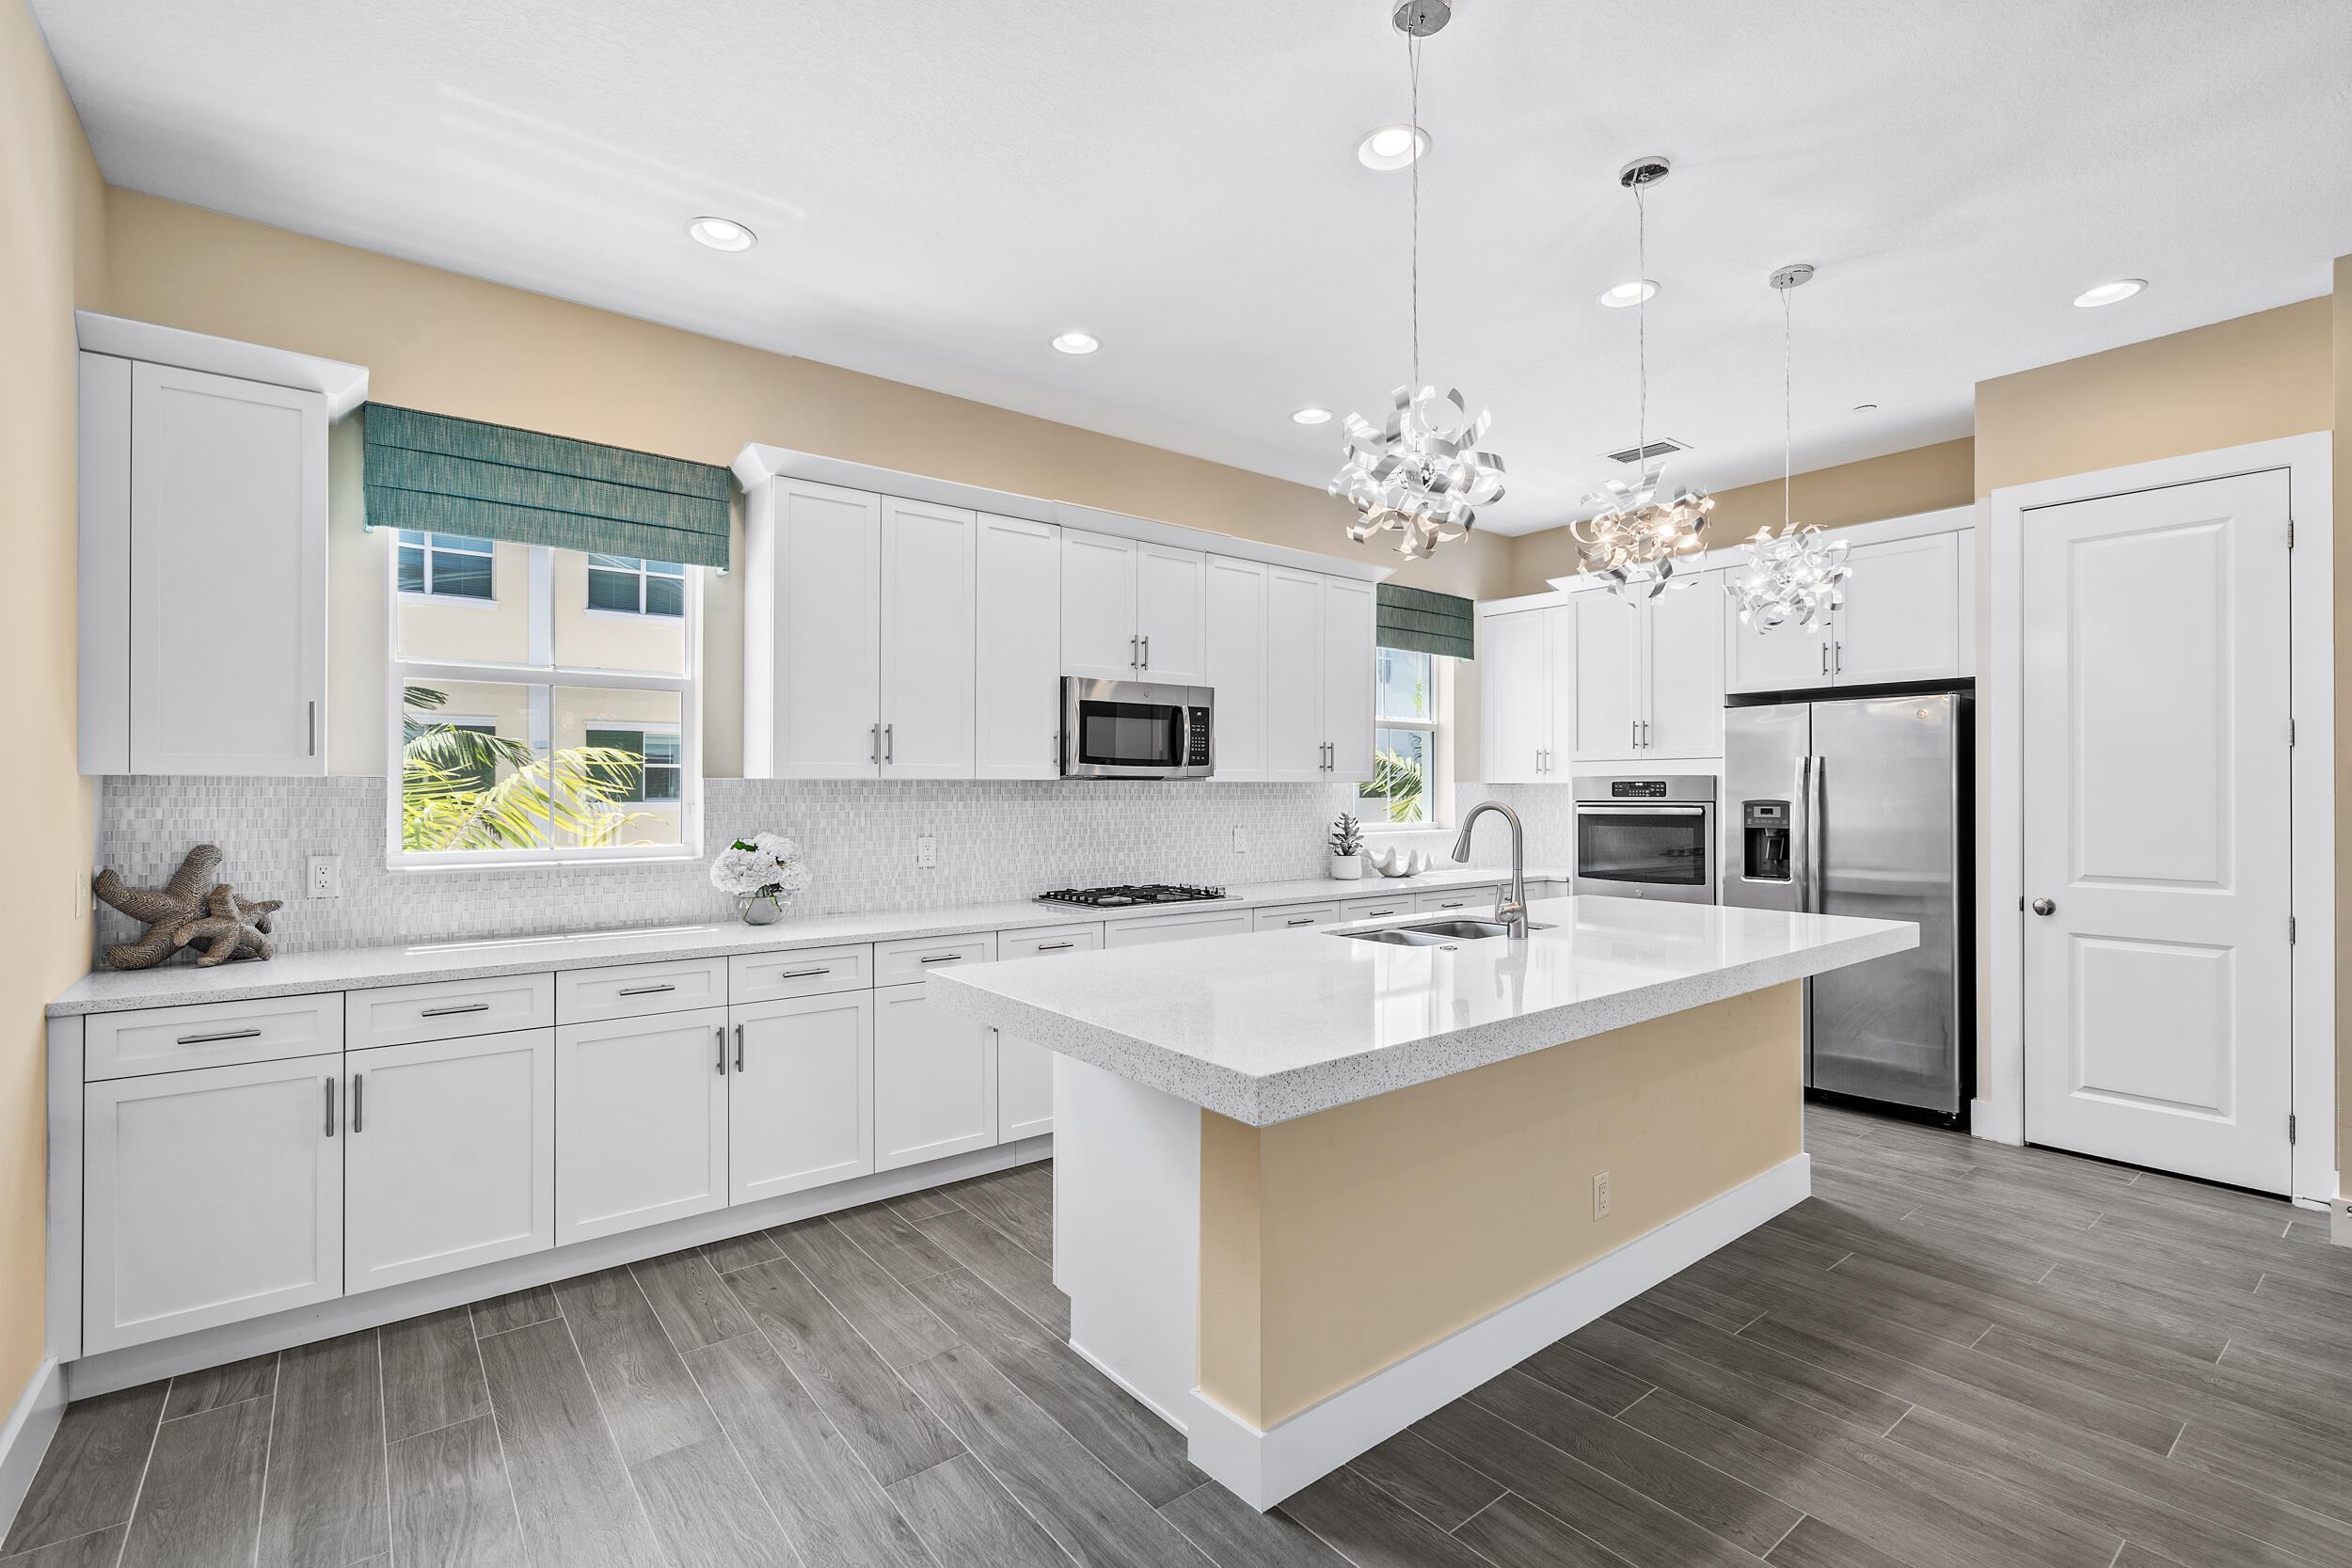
point(761, 873)
point(1347, 849)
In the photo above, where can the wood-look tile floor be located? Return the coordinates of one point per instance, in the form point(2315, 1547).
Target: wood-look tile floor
point(1954, 1356)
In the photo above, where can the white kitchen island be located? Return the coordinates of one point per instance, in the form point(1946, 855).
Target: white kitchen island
point(1309, 1189)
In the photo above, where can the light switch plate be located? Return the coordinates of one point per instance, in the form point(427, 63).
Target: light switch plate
point(925, 852)
point(324, 877)
point(1601, 1195)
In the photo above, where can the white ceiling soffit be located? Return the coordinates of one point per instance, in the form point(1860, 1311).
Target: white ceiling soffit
point(940, 187)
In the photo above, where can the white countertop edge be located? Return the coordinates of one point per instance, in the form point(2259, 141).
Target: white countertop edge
point(332, 969)
point(1263, 1101)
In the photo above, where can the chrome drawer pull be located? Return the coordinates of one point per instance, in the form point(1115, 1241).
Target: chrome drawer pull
point(1300, 920)
point(803, 974)
point(463, 1008)
point(1053, 946)
point(647, 990)
point(224, 1035)
point(330, 1107)
point(940, 958)
point(1375, 914)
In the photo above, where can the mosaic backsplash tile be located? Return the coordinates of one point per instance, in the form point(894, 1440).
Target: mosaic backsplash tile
point(998, 841)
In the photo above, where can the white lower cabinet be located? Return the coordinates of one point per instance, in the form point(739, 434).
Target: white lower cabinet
point(449, 1155)
point(1460, 900)
point(1137, 931)
point(640, 1121)
point(1024, 1069)
point(209, 1196)
point(1284, 917)
point(934, 1079)
point(1377, 909)
point(801, 1108)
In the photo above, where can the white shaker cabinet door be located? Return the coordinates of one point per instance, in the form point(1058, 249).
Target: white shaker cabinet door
point(1787, 658)
point(1515, 696)
point(1294, 638)
point(1907, 615)
point(1099, 639)
point(1607, 636)
point(813, 635)
point(934, 1079)
point(802, 1105)
point(1686, 671)
point(210, 1196)
point(1025, 1088)
point(640, 1121)
point(1171, 614)
point(1017, 678)
point(930, 562)
point(1348, 631)
point(1237, 665)
point(228, 589)
point(451, 1155)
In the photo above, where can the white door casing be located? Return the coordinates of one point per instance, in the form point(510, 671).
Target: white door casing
point(802, 1107)
point(1017, 672)
point(640, 1121)
point(1238, 665)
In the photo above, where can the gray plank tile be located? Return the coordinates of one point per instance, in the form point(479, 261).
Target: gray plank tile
point(1139, 1447)
point(705, 1512)
point(1010, 1270)
point(250, 1379)
point(900, 1328)
point(1759, 1363)
point(326, 1497)
point(1597, 1383)
point(887, 1238)
point(968, 1518)
point(1515, 1533)
point(98, 1550)
point(515, 1309)
point(1096, 1518)
point(432, 1373)
point(1235, 1535)
point(1816, 1543)
point(741, 1252)
point(201, 1504)
point(649, 1397)
point(922, 1205)
point(450, 1504)
point(1002, 1204)
point(1371, 1528)
point(573, 1494)
point(876, 1412)
point(694, 1305)
point(829, 1505)
point(90, 1477)
point(1426, 1479)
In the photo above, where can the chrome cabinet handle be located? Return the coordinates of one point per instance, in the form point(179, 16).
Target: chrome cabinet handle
point(314, 727)
point(940, 958)
point(1135, 661)
point(722, 1050)
point(1053, 946)
point(1825, 659)
point(1300, 920)
point(2044, 906)
point(873, 751)
point(890, 743)
point(1455, 904)
point(464, 1008)
point(647, 990)
point(357, 1081)
point(1376, 915)
point(1837, 658)
point(1147, 653)
point(223, 1035)
point(738, 1048)
point(803, 974)
point(330, 1107)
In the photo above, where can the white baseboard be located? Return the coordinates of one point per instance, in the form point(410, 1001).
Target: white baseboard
point(1994, 1120)
point(25, 1437)
point(1171, 1417)
point(1263, 1467)
point(2340, 1221)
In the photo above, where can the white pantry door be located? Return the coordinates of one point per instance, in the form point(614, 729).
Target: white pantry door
point(2157, 829)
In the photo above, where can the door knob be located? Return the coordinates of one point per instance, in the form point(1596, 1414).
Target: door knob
point(2044, 906)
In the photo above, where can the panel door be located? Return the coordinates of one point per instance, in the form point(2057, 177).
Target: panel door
point(827, 633)
point(228, 575)
point(1172, 612)
point(209, 1196)
point(640, 1121)
point(1099, 639)
point(1348, 631)
point(803, 1097)
point(1024, 1069)
point(1237, 665)
point(1017, 701)
point(931, 564)
point(934, 1079)
point(1787, 658)
point(1294, 687)
point(1605, 636)
point(2158, 1026)
point(1904, 618)
point(450, 1158)
point(1515, 696)
point(1686, 671)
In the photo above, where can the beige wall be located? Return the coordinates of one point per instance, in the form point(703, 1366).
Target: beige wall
point(52, 257)
point(1338, 1243)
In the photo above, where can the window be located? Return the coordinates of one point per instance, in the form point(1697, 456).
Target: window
point(654, 775)
point(625, 585)
point(443, 565)
point(1404, 738)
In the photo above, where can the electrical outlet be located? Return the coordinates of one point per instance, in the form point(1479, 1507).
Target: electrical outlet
point(1241, 841)
point(925, 852)
point(81, 880)
point(1601, 1195)
point(326, 878)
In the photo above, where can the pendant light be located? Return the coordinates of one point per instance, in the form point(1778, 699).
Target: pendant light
point(1636, 543)
point(1420, 474)
point(1795, 577)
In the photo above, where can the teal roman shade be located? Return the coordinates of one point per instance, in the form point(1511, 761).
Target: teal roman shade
point(447, 475)
point(1420, 622)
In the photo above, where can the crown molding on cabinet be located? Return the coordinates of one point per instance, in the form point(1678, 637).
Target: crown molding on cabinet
point(344, 386)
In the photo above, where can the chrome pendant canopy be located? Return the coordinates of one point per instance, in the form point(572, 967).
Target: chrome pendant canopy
point(1795, 577)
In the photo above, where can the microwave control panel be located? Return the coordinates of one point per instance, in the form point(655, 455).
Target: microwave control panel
point(1196, 737)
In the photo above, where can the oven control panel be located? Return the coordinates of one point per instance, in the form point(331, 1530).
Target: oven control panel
point(1637, 789)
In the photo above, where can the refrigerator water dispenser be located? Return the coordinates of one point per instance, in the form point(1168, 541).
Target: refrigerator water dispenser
point(1766, 836)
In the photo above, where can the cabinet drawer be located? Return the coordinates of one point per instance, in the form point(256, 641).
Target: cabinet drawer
point(447, 1009)
point(210, 1033)
point(637, 991)
point(1050, 941)
point(899, 964)
point(1446, 900)
point(1137, 931)
point(810, 972)
point(1283, 917)
point(1376, 909)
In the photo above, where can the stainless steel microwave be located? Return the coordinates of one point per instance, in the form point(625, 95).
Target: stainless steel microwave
point(1136, 730)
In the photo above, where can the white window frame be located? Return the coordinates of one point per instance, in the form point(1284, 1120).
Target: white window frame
point(1431, 726)
point(427, 595)
point(544, 671)
point(598, 612)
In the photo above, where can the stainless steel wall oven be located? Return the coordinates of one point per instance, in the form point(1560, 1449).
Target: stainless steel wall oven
point(1648, 837)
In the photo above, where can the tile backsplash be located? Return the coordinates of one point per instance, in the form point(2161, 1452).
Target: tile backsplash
point(998, 841)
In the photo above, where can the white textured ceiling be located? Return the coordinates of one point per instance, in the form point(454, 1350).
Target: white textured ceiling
point(940, 186)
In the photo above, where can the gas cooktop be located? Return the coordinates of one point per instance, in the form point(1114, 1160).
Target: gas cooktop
point(1119, 898)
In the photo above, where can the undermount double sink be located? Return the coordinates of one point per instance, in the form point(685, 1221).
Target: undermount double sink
point(1433, 933)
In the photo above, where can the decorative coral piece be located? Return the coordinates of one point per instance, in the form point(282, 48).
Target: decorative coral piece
point(232, 929)
point(191, 907)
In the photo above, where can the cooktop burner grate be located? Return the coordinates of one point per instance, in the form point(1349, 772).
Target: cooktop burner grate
point(1121, 897)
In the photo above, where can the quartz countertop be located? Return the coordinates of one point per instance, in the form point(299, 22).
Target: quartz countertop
point(177, 984)
point(1278, 1025)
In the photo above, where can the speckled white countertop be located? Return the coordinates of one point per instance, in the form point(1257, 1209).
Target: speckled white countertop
point(177, 984)
point(1278, 1025)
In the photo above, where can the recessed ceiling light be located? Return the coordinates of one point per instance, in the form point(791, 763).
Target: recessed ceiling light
point(1077, 342)
point(1623, 295)
point(1310, 416)
point(2107, 294)
point(722, 233)
point(1390, 147)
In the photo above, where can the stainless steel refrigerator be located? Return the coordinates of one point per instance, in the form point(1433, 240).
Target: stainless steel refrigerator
point(1861, 806)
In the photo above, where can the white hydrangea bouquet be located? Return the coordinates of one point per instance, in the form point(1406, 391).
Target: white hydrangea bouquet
point(761, 872)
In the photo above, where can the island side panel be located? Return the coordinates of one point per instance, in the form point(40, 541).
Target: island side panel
point(1338, 1244)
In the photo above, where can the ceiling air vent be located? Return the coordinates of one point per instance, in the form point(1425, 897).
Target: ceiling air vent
point(1659, 448)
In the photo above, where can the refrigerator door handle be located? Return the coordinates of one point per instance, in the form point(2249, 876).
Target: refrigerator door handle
point(1816, 861)
point(1803, 847)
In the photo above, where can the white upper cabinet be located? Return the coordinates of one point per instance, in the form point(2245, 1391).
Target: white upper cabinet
point(1610, 700)
point(1171, 614)
point(1787, 658)
point(1649, 676)
point(1237, 664)
point(1017, 697)
point(1293, 643)
point(202, 573)
point(1350, 624)
point(1522, 656)
point(812, 633)
point(1908, 615)
point(930, 598)
point(1098, 638)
